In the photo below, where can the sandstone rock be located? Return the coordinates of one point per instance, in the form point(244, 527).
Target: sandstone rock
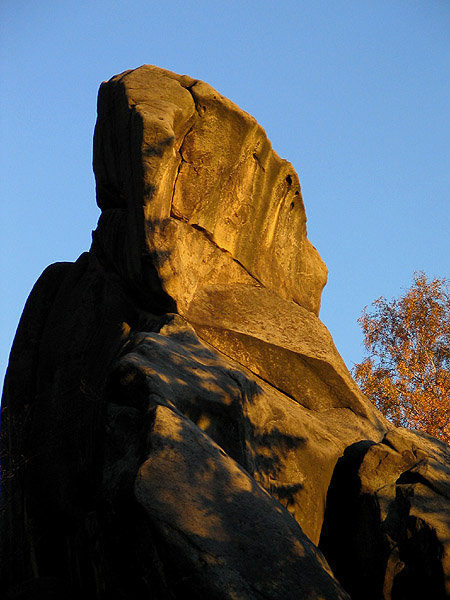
point(281, 342)
point(289, 449)
point(391, 501)
point(194, 157)
point(216, 520)
point(176, 419)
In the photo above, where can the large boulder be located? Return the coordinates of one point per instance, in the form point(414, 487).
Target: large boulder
point(176, 420)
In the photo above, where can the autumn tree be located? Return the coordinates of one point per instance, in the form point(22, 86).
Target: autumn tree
point(406, 372)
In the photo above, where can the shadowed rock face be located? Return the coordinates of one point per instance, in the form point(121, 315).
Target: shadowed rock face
point(176, 419)
point(388, 508)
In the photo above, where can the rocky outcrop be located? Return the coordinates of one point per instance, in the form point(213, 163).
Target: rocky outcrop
point(389, 505)
point(176, 420)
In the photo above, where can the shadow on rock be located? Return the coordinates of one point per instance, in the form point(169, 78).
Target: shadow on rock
point(386, 531)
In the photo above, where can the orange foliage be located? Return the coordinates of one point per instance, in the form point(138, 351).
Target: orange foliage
point(407, 371)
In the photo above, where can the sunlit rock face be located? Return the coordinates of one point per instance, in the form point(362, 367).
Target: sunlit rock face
point(200, 192)
point(177, 421)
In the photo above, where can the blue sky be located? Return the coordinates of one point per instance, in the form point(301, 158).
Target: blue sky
point(355, 93)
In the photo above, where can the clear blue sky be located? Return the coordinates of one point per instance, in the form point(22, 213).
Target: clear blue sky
point(355, 93)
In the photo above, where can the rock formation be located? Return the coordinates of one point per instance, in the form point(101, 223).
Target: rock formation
point(176, 419)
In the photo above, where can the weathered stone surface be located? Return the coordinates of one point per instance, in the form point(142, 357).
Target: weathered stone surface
point(176, 420)
point(288, 448)
point(216, 519)
point(192, 156)
point(390, 503)
point(281, 342)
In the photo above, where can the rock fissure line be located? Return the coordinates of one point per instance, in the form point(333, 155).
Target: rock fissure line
point(182, 161)
point(410, 478)
point(207, 233)
point(210, 238)
point(258, 161)
point(189, 89)
point(258, 376)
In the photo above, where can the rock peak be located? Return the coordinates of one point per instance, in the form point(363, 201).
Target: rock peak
point(199, 167)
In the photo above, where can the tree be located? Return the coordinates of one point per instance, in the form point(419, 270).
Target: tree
point(407, 371)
